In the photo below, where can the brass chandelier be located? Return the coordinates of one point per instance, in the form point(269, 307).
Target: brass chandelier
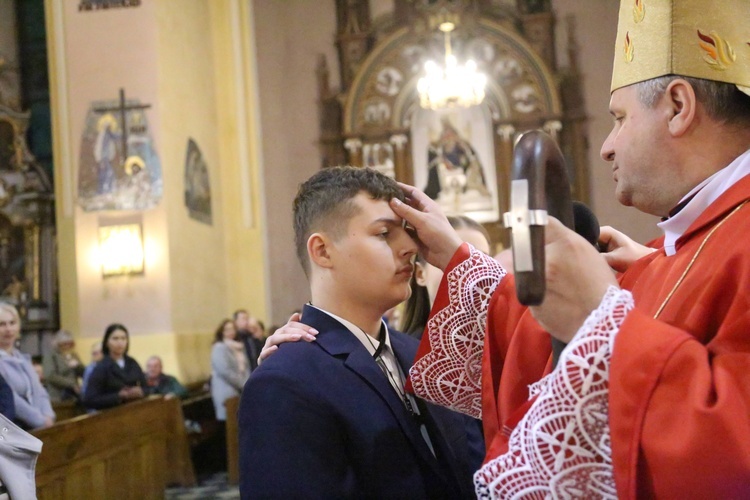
point(452, 85)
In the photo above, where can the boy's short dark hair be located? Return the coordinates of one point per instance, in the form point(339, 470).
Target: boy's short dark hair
point(324, 202)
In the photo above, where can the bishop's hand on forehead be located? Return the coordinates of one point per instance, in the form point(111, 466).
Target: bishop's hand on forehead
point(437, 240)
point(411, 196)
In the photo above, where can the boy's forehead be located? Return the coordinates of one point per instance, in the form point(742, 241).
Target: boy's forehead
point(374, 209)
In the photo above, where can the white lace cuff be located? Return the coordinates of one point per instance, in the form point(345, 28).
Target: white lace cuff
point(561, 447)
point(450, 374)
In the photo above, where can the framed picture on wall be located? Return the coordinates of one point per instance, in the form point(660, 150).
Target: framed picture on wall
point(454, 160)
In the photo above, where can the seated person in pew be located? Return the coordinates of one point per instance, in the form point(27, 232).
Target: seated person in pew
point(30, 398)
point(62, 368)
point(117, 378)
point(158, 382)
point(330, 418)
point(96, 356)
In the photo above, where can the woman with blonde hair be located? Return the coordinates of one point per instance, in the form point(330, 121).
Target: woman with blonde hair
point(62, 368)
point(33, 408)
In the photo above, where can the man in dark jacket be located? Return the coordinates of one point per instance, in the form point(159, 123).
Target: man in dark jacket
point(330, 418)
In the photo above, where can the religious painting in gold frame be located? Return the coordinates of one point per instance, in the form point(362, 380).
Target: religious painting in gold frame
point(453, 157)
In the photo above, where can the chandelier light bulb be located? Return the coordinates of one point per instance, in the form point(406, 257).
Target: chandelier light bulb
point(453, 84)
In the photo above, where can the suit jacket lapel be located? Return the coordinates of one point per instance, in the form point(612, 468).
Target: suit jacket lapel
point(338, 341)
point(405, 354)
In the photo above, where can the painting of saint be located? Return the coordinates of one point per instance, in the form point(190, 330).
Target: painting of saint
point(105, 152)
point(197, 185)
point(454, 164)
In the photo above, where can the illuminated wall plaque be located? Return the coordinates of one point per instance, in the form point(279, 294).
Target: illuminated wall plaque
point(121, 249)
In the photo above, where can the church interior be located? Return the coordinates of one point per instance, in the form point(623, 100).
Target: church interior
point(150, 150)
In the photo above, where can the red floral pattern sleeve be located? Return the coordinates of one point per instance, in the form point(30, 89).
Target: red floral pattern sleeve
point(448, 367)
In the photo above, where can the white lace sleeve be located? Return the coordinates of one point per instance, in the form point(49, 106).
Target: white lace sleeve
point(451, 373)
point(561, 447)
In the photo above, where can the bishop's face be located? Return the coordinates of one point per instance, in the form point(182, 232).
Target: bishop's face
point(372, 262)
point(637, 146)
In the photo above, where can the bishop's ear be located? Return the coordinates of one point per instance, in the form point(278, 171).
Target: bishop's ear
point(318, 248)
point(680, 96)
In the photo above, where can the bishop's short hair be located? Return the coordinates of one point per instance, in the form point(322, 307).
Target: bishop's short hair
point(324, 202)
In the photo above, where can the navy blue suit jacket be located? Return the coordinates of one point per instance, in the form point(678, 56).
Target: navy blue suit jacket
point(321, 420)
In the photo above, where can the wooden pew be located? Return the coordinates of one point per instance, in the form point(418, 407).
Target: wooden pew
point(199, 408)
point(133, 451)
point(67, 409)
point(233, 440)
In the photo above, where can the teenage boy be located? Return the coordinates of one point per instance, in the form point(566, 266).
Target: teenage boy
point(330, 418)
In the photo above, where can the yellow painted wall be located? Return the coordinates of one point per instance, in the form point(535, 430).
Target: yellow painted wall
point(61, 143)
point(93, 55)
point(192, 61)
point(188, 110)
point(240, 157)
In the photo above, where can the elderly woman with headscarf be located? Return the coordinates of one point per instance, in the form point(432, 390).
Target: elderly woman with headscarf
point(33, 408)
point(62, 368)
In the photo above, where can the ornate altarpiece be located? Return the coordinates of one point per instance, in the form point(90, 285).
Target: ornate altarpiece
point(375, 118)
point(27, 227)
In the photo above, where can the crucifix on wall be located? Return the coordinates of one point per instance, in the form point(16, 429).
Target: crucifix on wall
point(119, 166)
point(128, 162)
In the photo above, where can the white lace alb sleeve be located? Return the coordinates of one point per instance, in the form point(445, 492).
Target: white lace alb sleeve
point(451, 373)
point(561, 447)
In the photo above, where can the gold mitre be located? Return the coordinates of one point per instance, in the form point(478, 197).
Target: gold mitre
point(707, 39)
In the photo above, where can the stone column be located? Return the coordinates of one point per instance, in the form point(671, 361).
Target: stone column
point(403, 174)
point(353, 148)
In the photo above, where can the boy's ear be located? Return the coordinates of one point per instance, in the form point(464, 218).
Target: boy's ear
point(419, 274)
point(318, 248)
point(680, 97)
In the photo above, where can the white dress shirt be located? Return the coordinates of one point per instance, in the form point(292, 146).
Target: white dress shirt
point(703, 195)
point(388, 364)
